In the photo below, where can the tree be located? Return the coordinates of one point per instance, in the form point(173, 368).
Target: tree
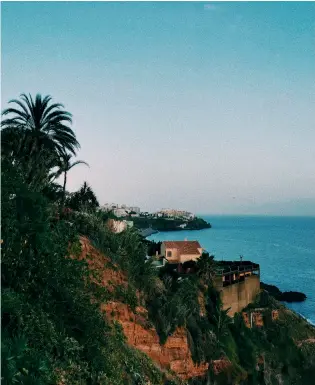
point(221, 322)
point(65, 166)
point(84, 198)
point(206, 268)
point(37, 125)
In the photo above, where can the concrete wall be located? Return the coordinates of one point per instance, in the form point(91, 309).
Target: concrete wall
point(164, 251)
point(188, 257)
point(239, 295)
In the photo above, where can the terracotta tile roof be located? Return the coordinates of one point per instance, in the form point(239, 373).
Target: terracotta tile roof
point(184, 247)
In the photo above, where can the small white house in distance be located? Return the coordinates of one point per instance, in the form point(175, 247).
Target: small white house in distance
point(109, 207)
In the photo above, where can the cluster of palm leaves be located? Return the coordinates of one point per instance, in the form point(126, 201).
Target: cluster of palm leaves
point(37, 138)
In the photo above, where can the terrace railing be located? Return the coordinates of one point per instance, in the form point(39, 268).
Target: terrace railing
point(237, 270)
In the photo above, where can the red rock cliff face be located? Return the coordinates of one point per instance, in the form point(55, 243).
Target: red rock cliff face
point(175, 355)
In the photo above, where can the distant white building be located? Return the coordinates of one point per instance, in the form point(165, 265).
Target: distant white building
point(120, 212)
point(135, 209)
point(109, 207)
point(172, 213)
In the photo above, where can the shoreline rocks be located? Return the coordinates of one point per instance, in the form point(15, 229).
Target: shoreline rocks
point(284, 296)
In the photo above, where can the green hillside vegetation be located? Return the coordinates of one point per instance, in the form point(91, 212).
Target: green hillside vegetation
point(168, 224)
point(53, 331)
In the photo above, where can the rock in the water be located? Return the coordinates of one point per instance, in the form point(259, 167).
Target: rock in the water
point(286, 296)
point(292, 296)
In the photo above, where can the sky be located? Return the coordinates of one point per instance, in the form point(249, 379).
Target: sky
point(203, 106)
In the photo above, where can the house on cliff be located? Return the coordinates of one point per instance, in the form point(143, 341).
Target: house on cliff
point(238, 282)
point(178, 252)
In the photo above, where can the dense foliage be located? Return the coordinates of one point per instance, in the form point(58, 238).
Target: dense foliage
point(52, 327)
point(166, 224)
point(83, 199)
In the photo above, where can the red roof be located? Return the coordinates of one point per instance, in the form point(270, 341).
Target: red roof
point(184, 247)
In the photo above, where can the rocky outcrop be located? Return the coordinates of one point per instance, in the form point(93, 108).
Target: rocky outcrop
point(174, 356)
point(108, 274)
point(285, 296)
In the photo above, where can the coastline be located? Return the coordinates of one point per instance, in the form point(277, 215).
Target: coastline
point(276, 243)
point(147, 232)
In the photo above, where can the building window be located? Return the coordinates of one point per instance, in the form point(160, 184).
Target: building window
point(169, 254)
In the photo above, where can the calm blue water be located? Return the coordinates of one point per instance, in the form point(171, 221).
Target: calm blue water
point(283, 246)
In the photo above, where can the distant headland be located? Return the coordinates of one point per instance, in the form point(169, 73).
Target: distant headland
point(162, 220)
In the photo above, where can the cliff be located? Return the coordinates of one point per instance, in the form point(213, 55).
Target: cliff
point(174, 357)
point(261, 344)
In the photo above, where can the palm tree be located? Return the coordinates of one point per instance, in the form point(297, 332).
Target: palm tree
point(206, 268)
point(65, 166)
point(41, 125)
point(222, 322)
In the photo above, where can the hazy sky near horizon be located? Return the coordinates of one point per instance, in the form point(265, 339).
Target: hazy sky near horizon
point(207, 107)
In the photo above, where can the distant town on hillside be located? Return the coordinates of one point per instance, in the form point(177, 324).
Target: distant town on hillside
point(149, 223)
point(134, 211)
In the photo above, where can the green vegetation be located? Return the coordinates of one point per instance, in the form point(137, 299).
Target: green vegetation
point(153, 247)
point(83, 199)
point(64, 166)
point(53, 331)
point(168, 224)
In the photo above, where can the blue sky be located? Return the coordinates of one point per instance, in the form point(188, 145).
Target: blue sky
point(202, 106)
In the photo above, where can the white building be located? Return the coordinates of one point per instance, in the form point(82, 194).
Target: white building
point(109, 207)
point(135, 209)
point(120, 212)
point(172, 213)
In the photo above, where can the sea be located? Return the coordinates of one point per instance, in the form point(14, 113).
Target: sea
point(283, 246)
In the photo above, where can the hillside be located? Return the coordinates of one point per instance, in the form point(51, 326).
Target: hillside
point(81, 305)
point(105, 316)
point(168, 224)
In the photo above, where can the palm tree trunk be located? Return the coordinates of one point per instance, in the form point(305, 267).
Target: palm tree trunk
point(64, 190)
